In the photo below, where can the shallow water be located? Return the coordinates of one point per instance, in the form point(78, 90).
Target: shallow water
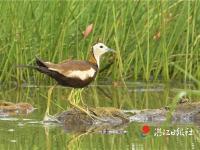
point(29, 132)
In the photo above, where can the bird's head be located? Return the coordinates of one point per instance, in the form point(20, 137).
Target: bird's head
point(99, 49)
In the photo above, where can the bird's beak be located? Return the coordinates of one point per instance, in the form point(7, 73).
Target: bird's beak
point(111, 50)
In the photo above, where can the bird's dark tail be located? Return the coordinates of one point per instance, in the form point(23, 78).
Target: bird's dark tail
point(39, 68)
point(27, 66)
point(39, 62)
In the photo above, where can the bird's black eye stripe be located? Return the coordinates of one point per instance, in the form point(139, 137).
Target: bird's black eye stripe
point(101, 46)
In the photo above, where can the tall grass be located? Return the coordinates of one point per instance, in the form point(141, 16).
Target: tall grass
point(146, 35)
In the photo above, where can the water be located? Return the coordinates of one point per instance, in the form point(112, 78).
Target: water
point(29, 132)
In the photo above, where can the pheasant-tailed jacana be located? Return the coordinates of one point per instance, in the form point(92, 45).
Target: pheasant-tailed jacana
point(74, 73)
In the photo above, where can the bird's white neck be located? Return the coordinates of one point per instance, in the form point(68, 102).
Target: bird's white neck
point(97, 55)
point(94, 59)
point(97, 60)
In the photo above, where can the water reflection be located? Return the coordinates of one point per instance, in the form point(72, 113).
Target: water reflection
point(28, 132)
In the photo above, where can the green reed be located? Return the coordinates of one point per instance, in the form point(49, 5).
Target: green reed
point(147, 37)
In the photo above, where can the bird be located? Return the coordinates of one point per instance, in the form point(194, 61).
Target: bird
point(72, 73)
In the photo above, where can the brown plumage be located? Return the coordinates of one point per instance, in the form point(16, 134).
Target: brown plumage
point(58, 71)
point(74, 73)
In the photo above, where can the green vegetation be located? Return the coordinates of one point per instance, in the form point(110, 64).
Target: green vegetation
point(152, 39)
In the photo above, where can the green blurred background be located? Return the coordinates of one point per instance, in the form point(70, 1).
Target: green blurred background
point(154, 40)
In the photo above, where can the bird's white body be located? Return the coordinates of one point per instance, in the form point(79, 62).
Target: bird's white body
point(81, 74)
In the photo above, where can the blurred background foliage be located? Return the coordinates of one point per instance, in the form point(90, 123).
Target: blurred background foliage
point(154, 40)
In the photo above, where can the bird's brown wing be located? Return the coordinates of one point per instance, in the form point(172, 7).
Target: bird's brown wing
point(70, 67)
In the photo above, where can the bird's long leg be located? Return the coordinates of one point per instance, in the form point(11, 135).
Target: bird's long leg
point(81, 99)
point(85, 111)
point(47, 116)
point(70, 94)
point(73, 100)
